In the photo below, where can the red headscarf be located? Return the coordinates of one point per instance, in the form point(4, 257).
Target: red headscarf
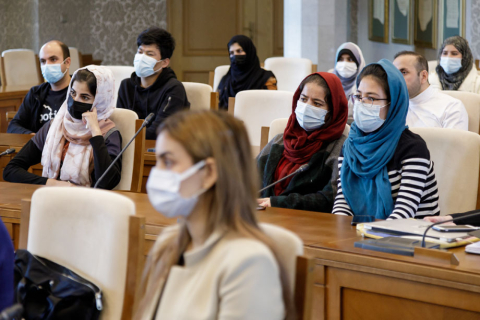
point(301, 145)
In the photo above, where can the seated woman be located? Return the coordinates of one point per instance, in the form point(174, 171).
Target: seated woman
point(79, 144)
point(216, 263)
point(245, 72)
point(456, 69)
point(314, 135)
point(385, 170)
point(348, 65)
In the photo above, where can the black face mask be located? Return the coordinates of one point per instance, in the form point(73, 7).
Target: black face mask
point(239, 59)
point(76, 109)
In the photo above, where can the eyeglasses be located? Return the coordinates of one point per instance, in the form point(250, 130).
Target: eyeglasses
point(366, 101)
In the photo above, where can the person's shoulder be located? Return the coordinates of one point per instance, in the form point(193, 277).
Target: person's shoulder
point(411, 145)
point(240, 250)
point(166, 236)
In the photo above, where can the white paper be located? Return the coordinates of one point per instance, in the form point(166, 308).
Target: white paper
point(425, 13)
point(452, 14)
point(403, 6)
point(379, 10)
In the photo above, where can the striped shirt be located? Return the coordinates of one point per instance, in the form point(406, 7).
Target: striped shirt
point(412, 178)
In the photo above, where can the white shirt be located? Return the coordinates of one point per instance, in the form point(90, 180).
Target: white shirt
point(432, 108)
point(226, 278)
point(471, 83)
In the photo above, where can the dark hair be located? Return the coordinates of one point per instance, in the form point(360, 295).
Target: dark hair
point(83, 75)
point(64, 47)
point(161, 38)
point(422, 63)
point(376, 71)
point(318, 80)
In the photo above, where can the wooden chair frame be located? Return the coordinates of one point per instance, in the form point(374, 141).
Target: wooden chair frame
point(138, 158)
point(304, 282)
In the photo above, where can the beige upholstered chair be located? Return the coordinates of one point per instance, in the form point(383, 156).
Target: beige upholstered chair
point(456, 157)
point(95, 233)
point(198, 95)
point(289, 71)
point(20, 68)
point(432, 65)
point(219, 72)
point(120, 73)
point(259, 108)
point(471, 101)
point(299, 269)
point(76, 60)
point(126, 122)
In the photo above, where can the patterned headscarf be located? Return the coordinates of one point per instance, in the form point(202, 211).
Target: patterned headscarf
point(454, 81)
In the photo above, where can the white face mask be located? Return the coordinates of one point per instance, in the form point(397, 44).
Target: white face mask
point(451, 65)
point(367, 118)
point(346, 69)
point(144, 65)
point(309, 117)
point(163, 188)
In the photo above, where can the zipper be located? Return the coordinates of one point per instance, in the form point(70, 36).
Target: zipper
point(98, 295)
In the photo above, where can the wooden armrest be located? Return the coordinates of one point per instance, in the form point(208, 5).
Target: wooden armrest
point(231, 105)
point(214, 100)
point(264, 137)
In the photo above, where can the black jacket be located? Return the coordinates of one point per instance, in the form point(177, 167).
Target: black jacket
point(132, 96)
point(27, 119)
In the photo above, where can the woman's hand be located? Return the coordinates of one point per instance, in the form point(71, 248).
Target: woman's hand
point(59, 183)
point(264, 202)
point(90, 120)
point(435, 219)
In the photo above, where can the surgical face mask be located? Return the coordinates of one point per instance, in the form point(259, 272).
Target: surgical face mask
point(346, 69)
point(309, 117)
point(451, 65)
point(163, 188)
point(77, 108)
point(238, 59)
point(367, 118)
point(53, 72)
point(144, 65)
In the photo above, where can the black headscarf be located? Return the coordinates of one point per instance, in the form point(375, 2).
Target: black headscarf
point(245, 77)
point(454, 81)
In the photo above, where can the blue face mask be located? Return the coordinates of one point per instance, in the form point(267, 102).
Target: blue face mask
point(144, 65)
point(308, 117)
point(451, 65)
point(367, 118)
point(53, 72)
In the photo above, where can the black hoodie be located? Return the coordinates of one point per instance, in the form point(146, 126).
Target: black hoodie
point(164, 97)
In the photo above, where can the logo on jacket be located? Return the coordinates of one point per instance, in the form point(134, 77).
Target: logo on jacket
point(44, 117)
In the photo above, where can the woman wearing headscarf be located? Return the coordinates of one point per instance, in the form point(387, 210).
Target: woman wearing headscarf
point(385, 170)
point(456, 69)
point(245, 72)
point(348, 64)
point(79, 144)
point(313, 136)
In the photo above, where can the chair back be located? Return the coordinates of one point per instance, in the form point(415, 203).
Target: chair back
point(456, 157)
point(277, 126)
point(471, 101)
point(289, 71)
point(259, 108)
point(220, 71)
point(75, 58)
point(125, 123)
point(120, 73)
point(198, 94)
point(432, 65)
point(20, 68)
point(93, 233)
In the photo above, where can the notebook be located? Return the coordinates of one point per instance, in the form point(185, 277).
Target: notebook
point(473, 248)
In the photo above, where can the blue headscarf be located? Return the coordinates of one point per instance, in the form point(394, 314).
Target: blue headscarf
point(364, 172)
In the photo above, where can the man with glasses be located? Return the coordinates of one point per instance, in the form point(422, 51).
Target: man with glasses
point(428, 107)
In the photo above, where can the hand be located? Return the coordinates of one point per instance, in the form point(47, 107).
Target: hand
point(32, 134)
point(58, 183)
point(436, 219)
point(264, 202)
point(90, 120)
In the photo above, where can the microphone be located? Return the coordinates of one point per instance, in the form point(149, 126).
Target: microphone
point(12, 313)
point(476, 213)
point(144, 124)
point(8, 151)
point(301, 169)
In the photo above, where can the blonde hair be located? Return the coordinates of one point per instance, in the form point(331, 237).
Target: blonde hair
point(232, 200)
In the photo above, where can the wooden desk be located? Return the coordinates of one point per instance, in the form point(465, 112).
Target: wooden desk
point(350, 283)
point(149, 162)
point(10, 100)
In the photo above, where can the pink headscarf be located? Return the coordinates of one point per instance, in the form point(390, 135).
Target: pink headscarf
point(78, 162)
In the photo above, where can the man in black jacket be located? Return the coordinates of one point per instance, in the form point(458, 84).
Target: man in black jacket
point(153, 87)
point(43, 101)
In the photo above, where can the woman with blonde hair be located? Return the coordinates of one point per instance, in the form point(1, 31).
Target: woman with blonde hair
point(216, 263)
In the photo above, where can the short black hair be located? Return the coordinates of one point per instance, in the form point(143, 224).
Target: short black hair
point(160, 37)
point(422, 63)
point(378, 73)
point(84, 75)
